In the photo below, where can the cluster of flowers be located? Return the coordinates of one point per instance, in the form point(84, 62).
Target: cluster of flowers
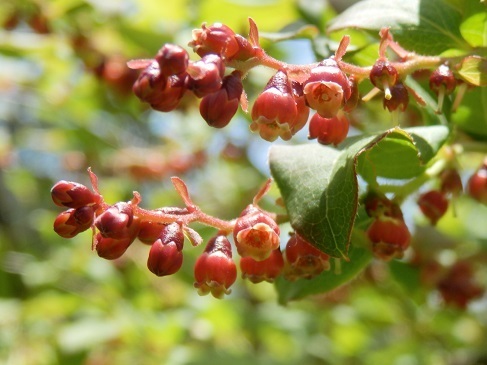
point(171, 74)
point(434, 203)
point(255, 233)
point(329, 87)
point(389, 234)
point(456, 283)
point(281, 110)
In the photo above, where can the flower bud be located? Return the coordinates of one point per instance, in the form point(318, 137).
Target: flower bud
point(118, 221)
point(256, 234)
point(110, 248)
point(217, 39)
point(168, 98)
point(303, 259)
point(150, 83)
point(327, 89)
point(328, 130)
point(205, 75)
point(265, 270)
point(72, 195)
point(73, 221)
point(218, 109)
point(214, 270)
point(477, 184)
point(172, 60)
point(390, 237)
point(245, 49)
point(433, 204)
point(275, 113)
point(165, 255)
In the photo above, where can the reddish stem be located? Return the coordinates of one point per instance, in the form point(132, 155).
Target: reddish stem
point(195, 216)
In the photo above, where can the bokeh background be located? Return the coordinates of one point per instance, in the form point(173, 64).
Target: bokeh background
point(66, 104)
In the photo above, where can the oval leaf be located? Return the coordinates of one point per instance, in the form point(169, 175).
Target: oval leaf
point(319, 184)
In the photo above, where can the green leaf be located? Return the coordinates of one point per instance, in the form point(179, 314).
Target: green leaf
point(340, 273)
point(397, 148)
point(427, 27)
point(473, 69)
point(319, 184)
point(319, 191)
point(471, 115)
point(474, 30)
point(400, 155)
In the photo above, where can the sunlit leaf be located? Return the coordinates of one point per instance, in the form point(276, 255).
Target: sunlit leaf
point(473, 69)
point(427, 27)
point(474, 30)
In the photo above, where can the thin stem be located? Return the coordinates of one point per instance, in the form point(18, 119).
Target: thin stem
point(359, 72)
point(412, 62)
point(194, 216)
point(404, 190)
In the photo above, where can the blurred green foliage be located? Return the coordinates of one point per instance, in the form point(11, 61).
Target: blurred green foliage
point(66, 104)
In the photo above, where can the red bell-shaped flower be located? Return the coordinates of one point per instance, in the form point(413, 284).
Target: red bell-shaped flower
point(303, 259)
point(265, 270)
point(214, 270)
point(256, 234)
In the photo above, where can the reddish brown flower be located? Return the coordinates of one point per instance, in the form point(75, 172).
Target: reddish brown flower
point(165, 255)
point(216, 38)
point(73, 221)
point(110, 248)
point(383, 75)
point(172, 60)
point(399, 98)
point(205, 75)
point(118, 221)
point(303, 259)
point(72, 194)
point(218, 109)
